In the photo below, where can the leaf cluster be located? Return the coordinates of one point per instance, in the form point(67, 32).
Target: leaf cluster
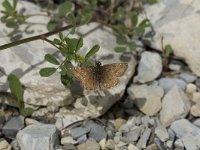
point(69, 48)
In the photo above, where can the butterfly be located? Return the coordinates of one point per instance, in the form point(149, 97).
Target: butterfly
point(98, 76)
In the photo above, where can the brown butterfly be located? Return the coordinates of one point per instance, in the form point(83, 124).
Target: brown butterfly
point(102, 77)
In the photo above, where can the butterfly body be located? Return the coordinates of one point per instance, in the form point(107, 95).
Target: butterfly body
point(100, 77)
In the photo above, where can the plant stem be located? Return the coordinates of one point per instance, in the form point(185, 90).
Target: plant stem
point(34, 38)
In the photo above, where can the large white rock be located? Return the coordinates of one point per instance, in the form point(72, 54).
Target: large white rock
point(38, 137)
point(178, 22)
point(175, 105)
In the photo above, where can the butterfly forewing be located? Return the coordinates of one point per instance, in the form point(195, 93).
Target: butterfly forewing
point(86, 76)
point(117, 69)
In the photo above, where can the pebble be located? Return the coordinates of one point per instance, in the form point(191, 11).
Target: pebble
point(133, 135)
point(79, 131)
point(144, 138)
point(119, 122)
point(175, 67)
point(191, 88)
point(179, 144)
point(188, 77)
point(4, 145)
point(195, 110)
point(169, 144)
point(68, 139)
point(89, 145)
point(110, 144)
point(68, 146)
point(132, 147)
point(162, 133)
point(102, 143)
point(196, 97)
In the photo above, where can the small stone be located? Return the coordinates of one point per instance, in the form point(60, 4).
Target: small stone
point(144, 138)
point(68, 139)
point(188, 77)
point(159, 144)
point(162, 133)
point(168, 83)
point(196, 97)
point(89, 145)
point(102, 143)
point(79, 131)
point(195, 110)
point(171, 134)
point(152, 147)
point(179, 144)
point(4, 145)
point(124, 128)
point(197, 122)
point(68, 146)
point(132, 147)
point(110, 144)
point(191, 88)
point(169, 144)
point(29, 121)
point(175, 67)
point(138, 121)
point(145, 121)
point(119, 122)
point(117, 137)
point(133, 135)
point(11, 127)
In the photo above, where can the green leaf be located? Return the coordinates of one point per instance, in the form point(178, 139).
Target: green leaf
point(73, 22)
point(11, 24)
point(15, 4)
point(8, 7)
point(132, 45)
point(120, 13)
point(56, 41)
point(168, 50)
point(65, 8)
point(16, 88)
point(26, 111)
point(61, 35)
point(66, 80)
point(121, 40)
point(92, 51)
point(50, 58)
point(119, 49)
point(52, 25)
point(134, 18)
point(86, 16)
point(70, 44)
point(46, 72)
point(79, 44)
point(145, 23)
point(151, 2)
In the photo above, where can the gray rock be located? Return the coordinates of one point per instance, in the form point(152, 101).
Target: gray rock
point(117, 137)
point(67, 139)
point(179, 144)
point(133, 135)
point(175, 105)
point(132, 147)
point(183, 127)
point(39, 137)
point(79, 131)
point(124, 128)
point(148, 98)
point(138, 121)
point(12, 126)
point(197, 122)
point(198, 82)
point(159, 144)
point(175, 67)
point(144, 138)
point(188, 77)
point(97, 132)
point(170, 27)
point(69, 146)
point(150, 67)
point(168, 83)
point(171, 134)
point(162, 133)
point(145, 120)
point(89, 145)
point(170, 144)
point(82, 138)
point(190, 142)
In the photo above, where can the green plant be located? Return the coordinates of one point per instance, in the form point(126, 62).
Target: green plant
point(69, 48)
point(17, 91)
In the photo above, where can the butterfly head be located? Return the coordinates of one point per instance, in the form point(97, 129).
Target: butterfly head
point(97, 64)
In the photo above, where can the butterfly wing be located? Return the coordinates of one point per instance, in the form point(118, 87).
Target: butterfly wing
point(86, 76)
point(110, 73)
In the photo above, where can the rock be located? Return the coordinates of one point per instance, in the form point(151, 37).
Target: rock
point(198, 82)
point(12, 126)
point(197, 122)
point(175, 105)
point(196, 97)
point(148, 98)
point(41, 112)
point(150, 67)
point(39, 137)
point(171, 134)
point(119, 122)
point(138, 121)
point(169, 144)
point(145, 120)
point(4, 145)
point(188, 77)
point(14, 144)
point(132, 147)
point(195, 110)
point(110, 144)
point(177, 32)
point(191, 88)
point(82, 139)
point(97, 132)
point(144, 138)
point(175, 67)
point(152, 147)
point(102, 143)
point(29, 121)
point(158, 144)
point(168, 83)
point(162, 133)
point(179, 144)
point(69, 146)
point(188, 133)
point(67, 139)
point(117, 137)
point(79, 131)
point(133, 135)
point(124, 128)
point(89, 145)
